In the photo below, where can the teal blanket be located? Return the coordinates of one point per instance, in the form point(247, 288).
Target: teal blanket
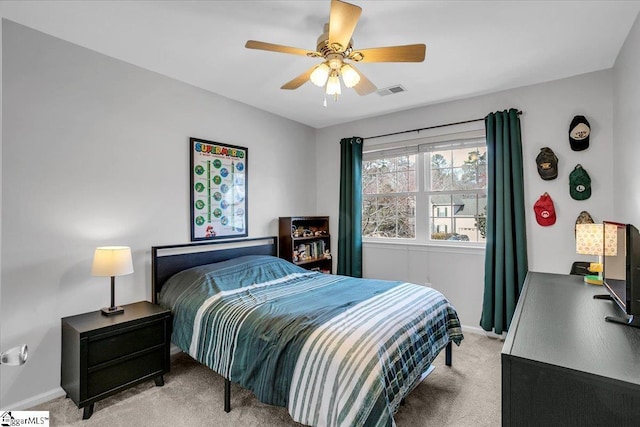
point(334, 350)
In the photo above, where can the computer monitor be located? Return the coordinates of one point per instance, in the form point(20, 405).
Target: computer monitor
point(621, 271)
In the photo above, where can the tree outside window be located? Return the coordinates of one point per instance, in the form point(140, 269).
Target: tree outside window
point(440, 192)
point(389, 203)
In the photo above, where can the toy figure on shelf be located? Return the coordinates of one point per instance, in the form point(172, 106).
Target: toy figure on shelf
point(298, 232)
point(302, 253)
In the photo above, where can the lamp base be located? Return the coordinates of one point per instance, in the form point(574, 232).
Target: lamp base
point(110, 311)
point(593, 279)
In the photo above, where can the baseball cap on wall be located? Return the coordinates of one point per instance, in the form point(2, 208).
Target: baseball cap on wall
point(545, 211)
point(547, 163)
point(579, 183)
point(584, 218)
point(579, 131)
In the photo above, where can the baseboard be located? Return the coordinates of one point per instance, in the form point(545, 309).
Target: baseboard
point(473, 330)
point(479, 331)
point(36, 400)
point(174, 349)
point(55, 393)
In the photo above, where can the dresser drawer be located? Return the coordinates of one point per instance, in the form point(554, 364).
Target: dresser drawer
point(113, 376)
point(124, 341)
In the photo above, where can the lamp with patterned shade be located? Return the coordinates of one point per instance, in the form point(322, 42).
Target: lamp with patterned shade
point(596, 239)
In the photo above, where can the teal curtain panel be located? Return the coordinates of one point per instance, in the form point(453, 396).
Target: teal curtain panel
point(506, 252)
point(350, 218)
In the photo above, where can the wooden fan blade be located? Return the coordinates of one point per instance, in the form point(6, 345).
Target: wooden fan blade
point(364, 86)
point(300, 80)
point(253, 44)
point(407, 53)
point(342, 21)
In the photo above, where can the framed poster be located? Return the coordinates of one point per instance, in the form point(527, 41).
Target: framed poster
point(218, 190)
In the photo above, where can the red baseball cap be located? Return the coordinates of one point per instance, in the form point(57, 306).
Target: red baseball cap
point(545, 212)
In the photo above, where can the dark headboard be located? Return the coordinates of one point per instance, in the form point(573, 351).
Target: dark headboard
point(171, 259)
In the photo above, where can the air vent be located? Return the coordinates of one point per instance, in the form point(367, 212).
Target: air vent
point(391, 90)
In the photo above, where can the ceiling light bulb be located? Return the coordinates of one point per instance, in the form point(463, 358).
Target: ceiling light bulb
point(350, 77)
point(335, 62)
point(333, 85)
point(319, 76)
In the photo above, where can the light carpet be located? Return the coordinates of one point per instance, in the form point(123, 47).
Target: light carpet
point(466, 394)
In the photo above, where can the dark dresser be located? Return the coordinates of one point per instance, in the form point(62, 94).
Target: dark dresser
point(102, 355)
point(563, 364)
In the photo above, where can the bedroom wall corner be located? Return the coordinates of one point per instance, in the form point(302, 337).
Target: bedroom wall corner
point(626, 129)
point(1, 132)
point(2, 343)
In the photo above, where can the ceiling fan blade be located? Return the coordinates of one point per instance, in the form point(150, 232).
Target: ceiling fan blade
point(342, 21)
point(300, 80)
point(407, 53)
point(364, 86)
point(253, 44)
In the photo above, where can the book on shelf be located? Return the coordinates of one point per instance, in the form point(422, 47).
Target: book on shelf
point(311, 250)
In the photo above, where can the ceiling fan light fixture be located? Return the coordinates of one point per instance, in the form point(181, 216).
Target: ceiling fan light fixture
point(349, 76)
point(335, 61)
point(335, 47)
point(333, 85)
point(319, 76)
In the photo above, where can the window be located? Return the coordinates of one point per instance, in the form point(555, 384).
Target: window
point(427, 191)
point(389, 186)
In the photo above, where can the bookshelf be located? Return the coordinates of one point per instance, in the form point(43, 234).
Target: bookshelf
point(304, 240)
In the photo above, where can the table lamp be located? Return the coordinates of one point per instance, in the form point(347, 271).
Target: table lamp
point(596, 239)
point(15, 356)
point(111, 261)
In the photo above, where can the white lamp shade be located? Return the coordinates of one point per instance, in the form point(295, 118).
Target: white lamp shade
point(350, 77)
point(333, 85)
point(112, 261)
point(592, 240)
point(320, 74)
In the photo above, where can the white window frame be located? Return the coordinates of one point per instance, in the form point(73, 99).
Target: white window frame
point(421, 147)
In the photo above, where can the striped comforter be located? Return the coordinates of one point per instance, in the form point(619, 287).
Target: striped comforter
point(334, 350)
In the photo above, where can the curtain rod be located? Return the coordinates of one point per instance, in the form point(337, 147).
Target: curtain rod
point(430, 127)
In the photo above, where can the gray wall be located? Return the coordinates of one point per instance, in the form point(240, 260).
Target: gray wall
point(548, 109)
point(95, 152)
point(627, 129)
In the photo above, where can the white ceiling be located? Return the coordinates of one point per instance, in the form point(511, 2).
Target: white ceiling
point(473, 47)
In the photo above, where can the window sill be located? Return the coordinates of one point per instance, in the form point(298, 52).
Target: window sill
point(455, 247)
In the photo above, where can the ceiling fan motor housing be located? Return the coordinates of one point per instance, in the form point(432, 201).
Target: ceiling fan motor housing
point(322, 45)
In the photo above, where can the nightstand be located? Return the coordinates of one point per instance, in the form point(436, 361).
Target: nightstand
point(102, 355)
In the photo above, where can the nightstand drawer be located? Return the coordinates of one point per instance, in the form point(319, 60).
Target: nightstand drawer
point(124, 341)
point(112, 376)
point(103, 355)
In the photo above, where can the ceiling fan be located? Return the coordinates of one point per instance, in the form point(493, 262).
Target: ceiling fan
point(335, 47)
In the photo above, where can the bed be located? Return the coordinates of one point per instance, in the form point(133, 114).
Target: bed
point(333, 350)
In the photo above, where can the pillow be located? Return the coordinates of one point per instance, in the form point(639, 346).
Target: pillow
point(203, 281)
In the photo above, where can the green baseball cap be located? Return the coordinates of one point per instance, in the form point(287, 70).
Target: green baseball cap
point(579, 183)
